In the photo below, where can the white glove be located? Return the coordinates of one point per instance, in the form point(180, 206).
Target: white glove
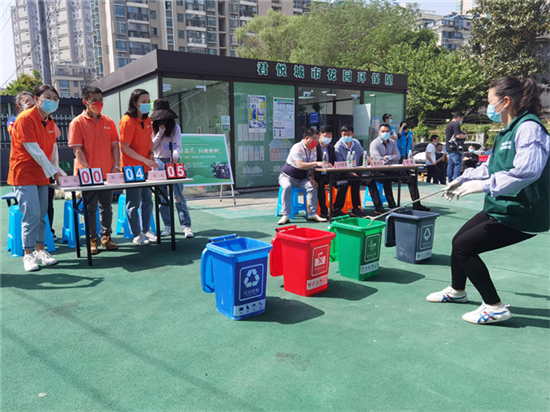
point(449, 190)
point(473, 186)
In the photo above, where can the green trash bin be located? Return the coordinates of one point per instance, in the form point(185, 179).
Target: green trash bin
point(357, 246)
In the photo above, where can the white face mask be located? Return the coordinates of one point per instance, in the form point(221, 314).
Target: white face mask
point(326, 140)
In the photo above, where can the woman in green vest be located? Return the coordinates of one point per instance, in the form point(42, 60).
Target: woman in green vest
point(516, 183)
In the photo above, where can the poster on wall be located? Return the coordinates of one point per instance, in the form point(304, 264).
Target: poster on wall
point(256, 114)
point(283, 118)
point(206, 159)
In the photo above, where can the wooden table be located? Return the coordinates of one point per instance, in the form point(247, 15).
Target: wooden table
point(332, 176)
point(159, 196)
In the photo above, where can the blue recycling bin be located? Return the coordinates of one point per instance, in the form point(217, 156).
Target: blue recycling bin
point(412, 232)
point(235, 269)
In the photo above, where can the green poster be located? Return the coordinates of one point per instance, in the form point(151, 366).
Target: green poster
point(206, 159)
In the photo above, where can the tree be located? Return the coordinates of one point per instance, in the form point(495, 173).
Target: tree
point(268, 37)
point(506, 37)
point(351, 33)
point(24, 82)
point(440, 82)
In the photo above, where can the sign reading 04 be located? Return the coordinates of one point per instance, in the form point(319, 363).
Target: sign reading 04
point(134, 174)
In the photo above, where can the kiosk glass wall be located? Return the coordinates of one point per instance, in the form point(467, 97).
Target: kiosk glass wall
point(383, 102)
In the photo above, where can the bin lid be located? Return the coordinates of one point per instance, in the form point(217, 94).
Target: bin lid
point(231, 245)
point(414, 215)
point(303, 234)
point(356, 224)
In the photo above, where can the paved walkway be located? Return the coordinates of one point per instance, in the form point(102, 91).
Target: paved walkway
point(135, 332)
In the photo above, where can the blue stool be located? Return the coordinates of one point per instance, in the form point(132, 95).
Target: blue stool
point(8, 197)
point(295, 206)
point(368, 198)
point(122, 225)
point(68, 231)
point(14, 239)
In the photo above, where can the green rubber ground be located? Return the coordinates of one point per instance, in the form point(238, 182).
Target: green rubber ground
point(135, 332)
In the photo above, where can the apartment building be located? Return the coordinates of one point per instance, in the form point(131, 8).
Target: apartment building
point(124, 30)
point(465, 6)
point(69, 42)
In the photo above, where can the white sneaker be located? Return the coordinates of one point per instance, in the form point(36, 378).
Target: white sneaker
point(151, 236)
point(141, 240)
point(448, 295)
point(284, 220)
point(166, 232)
point(188, 232)
point(45, 258)
point(29, 262)
point(488, 314)
point(316, 218)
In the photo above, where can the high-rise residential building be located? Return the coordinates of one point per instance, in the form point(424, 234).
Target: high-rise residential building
point(69, 42)
point(465, 6)
point(125, 30)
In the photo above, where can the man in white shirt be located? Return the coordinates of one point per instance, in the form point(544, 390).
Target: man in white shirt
point(431, 161)
point(297, 172)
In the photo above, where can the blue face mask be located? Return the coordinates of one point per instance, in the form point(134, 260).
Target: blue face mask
point(347, 139)
point(390, 121)
point(49, 106)
point(384, 136)
point(326, 140)
point(460, 122)
point(492, 114)
point(145, 108)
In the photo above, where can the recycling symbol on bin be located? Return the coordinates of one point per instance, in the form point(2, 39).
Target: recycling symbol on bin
point(252, 278)
point(427, 234)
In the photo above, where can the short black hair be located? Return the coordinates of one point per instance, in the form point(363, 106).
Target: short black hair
point(385, 117)
point(327, 128)
point(403, 122)
point(134, 97)
point(43, 88)
point(439, 144)
point(384, 125)
point(347, 128)
point(456, 115)
point(90, 90)
point(310, 131)
point(433, 137)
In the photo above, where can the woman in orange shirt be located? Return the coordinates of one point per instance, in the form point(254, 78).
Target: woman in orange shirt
point(137, 150)
point(33, 160)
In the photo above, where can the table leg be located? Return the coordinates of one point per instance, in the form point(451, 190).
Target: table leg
point(86, 230)
point(75, 221)
point(172, 223)
point(156, 190)
point(398, 189)
point(330, 185)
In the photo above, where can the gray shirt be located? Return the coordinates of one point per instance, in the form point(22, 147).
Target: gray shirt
point(387, 152)
point(342, 150)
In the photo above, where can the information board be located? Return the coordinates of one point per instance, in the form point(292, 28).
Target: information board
point(283, 118)
point(206, 159)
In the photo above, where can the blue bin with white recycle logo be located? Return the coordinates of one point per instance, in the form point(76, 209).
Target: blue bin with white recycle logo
point(235, 269)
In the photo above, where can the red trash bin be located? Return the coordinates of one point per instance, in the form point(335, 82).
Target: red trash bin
point(302, 257)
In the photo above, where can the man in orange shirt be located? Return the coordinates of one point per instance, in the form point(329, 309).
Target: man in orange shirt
point(93, 136)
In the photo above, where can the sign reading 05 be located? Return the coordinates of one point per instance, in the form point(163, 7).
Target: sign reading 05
point(134, 174)
point(90, 177)
point(175, 170)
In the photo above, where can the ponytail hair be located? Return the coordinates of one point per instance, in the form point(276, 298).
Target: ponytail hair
point(525, 94)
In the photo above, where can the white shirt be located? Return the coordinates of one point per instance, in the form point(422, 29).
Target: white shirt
point(431, 150)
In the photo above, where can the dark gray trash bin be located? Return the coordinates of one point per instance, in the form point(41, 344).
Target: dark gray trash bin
point(412, 231)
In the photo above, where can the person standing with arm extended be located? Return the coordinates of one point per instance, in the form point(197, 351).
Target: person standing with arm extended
point(167, 149)
point(137, 150)
point(454, 139)
point(516, 183)
point(93, 136)
point(33, 160)
point(404, 141)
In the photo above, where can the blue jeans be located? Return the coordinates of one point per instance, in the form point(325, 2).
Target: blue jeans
point(179, 200)
point(33, 204)
point(139, 199)
point(455, 165)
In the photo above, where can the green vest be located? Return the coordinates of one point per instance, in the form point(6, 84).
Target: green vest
point(529, 209)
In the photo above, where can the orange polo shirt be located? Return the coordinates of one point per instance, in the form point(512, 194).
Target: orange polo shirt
point(30, 128)
point(138, 133)
point(95, 140)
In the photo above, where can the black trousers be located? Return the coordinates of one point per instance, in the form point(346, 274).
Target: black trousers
point(433, 173)
point(480, 234)
point(442, 172)
point(388, 192)
point(51, 195)
point(355, 187)
point(322, 180)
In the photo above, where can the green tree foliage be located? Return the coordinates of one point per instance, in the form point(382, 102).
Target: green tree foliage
point(269, 37)
point(440, 82)
point(24, 82)
point(351, 33)
point(506, 37)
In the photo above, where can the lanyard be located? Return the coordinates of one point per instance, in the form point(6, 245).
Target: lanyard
point(308, 155)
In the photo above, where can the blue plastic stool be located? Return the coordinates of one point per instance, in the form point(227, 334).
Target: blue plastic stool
point(14, 239)
point(295, 206)
point(122, 225)
point(368, 198)
point(68, 231)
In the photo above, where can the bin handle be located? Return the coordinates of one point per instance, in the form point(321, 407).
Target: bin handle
point(282, 229)
point(274, 258)
point(207, 274)
point(342, 217)
point(222, 238)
